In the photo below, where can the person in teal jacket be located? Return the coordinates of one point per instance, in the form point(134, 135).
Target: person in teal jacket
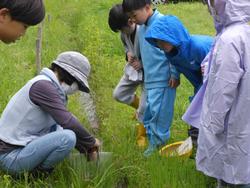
point(186, 52)
point(160, 78)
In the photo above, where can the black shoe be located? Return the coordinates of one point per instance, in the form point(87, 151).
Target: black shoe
point(40, 172)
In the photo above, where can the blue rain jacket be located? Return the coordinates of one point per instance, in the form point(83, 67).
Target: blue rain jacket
point(192, 49)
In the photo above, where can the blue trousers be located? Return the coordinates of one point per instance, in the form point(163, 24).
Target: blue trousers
point(45, 152)
point(158, 115)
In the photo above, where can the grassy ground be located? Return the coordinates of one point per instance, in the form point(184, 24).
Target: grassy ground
point(82, 25)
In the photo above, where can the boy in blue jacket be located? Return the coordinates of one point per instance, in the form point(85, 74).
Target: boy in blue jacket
point(160, 79)
point(184, 51)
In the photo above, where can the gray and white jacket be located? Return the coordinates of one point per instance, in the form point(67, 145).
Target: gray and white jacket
point(133, 47)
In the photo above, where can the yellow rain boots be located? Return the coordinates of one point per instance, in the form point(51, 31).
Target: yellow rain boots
point(141, 139)
point(135, 103)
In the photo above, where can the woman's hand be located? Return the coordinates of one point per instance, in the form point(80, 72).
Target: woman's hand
point(94, 152)
point(97, 143)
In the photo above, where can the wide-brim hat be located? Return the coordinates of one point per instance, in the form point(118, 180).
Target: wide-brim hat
point(77, 65)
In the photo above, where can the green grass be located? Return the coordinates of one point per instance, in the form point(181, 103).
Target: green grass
point(82, 25)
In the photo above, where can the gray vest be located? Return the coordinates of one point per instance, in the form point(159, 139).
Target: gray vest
point(22, 121)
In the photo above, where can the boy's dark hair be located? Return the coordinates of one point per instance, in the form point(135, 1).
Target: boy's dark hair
point(63, 75)
point(117, 18)
point(30, 12)
point(131, 5)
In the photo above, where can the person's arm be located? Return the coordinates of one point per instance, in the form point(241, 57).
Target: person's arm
point(136, 64)
point(227, 72)
point(174, 80)
point(204, 66)
point(126, 50)
point(44, 94)
point(173, 72)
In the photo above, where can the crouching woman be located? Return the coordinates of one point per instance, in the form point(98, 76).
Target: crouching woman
point(36, 129)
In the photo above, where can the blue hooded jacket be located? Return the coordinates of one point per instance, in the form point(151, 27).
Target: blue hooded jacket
point(192, 49)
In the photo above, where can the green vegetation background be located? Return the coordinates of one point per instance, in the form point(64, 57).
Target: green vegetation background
point(82, 25)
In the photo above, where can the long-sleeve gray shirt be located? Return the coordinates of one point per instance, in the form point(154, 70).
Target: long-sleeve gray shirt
point(44, 94)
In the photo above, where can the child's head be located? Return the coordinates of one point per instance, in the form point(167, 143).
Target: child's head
point(17, 15)
point(165, 46)
point(119, 20)
point(169, 34)
point(138, 10)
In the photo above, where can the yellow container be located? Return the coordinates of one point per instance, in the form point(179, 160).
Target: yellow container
point(170, 150)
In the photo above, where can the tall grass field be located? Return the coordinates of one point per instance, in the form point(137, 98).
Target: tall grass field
point(82, 25)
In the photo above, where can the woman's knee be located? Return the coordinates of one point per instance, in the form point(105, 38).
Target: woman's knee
point(69, 138)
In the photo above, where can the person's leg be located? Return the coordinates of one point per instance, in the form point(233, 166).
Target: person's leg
point(165, 116)
point(158, 116)
point(141, 139)
point(193, 132)
point(245, 186)
point(141, 131)
point(125, 92)
point(44, 152)
point(142, 105)
point(223, 184)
